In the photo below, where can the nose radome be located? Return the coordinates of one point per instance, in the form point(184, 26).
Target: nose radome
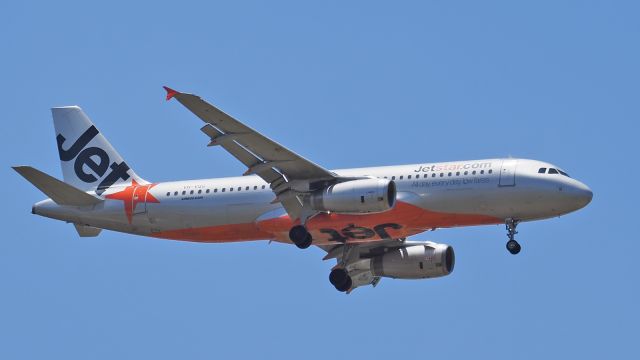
point(582, 194)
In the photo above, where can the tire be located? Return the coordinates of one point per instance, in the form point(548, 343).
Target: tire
point(346, 285)
point(305, 243)
point(300, 236)
point(338, 277)
point(513, 247)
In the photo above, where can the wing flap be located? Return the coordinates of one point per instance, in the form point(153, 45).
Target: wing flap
point(243, 155)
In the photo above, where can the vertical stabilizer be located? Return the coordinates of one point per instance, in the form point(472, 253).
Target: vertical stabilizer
point(88, 160)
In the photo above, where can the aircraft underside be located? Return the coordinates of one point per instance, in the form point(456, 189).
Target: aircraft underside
point(402, 221)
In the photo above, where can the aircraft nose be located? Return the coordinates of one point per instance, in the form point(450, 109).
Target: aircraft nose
point(581, 194)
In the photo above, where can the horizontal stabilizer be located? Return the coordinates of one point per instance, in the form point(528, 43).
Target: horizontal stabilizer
point(59, 191)
point(87, 231)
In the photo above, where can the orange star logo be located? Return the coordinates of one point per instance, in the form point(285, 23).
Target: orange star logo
point(132, 195)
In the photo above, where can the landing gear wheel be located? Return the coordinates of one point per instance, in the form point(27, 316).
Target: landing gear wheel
point(300, 236)
point(512, 244)
point(340, 279)
point(513, 247)
point(346, 285)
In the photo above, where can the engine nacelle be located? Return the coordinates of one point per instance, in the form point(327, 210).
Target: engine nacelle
point(356, 196)
point(415, 262)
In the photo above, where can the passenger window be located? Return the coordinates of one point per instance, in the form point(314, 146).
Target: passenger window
point(441, 174)
point(401, 176)
point(466, 172)
point(449, 174)
point(481, 172)
point(223, 189)
point(490, 171)
point(230, 189)
point(200, 191)
point(553, 171)
point(263, 186)
point(175, 193)
point(191, 192)
point(247, 188)
point(457, 173)
point(473, 173)
point(168, 193)
point(433, 175)
point(542, 170)
point(239, 188)
point(393, 178)
point(215, 190)
point(409, 177)
point(255, 187)
point(207, 191)
point(184, 193)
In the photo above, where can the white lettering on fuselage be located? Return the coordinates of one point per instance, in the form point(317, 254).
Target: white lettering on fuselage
point(451, 182)
point(189, 192)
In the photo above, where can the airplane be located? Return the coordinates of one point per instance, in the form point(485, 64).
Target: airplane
point(360, 217)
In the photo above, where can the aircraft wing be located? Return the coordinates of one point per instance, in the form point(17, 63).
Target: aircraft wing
point(288, 173)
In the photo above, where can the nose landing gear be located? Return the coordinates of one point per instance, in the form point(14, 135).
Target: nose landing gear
point(512, 245)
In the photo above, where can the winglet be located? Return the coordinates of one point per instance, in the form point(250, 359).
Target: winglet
point(170, 92)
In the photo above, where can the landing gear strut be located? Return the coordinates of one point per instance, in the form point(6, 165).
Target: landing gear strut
point(340, 278)
point(512, 244)
point(300, 236)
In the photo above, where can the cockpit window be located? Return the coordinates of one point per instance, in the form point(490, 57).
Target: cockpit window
point(552, 171)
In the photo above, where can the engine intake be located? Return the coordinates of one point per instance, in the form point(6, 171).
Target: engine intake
point(356, 196)
point(427, 260)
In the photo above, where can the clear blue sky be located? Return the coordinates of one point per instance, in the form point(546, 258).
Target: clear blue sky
point(369, 83)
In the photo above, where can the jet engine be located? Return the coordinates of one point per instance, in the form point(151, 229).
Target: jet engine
point(356, 196)
point(427, 260)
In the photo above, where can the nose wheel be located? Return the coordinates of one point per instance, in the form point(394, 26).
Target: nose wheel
point(300, 236)
point(512, 245)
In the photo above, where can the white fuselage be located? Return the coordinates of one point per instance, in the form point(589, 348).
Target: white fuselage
point(429, 196)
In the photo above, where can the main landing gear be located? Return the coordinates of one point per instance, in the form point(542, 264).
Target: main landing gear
point(300, 236)
point(512, 244)
point(340, 278)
